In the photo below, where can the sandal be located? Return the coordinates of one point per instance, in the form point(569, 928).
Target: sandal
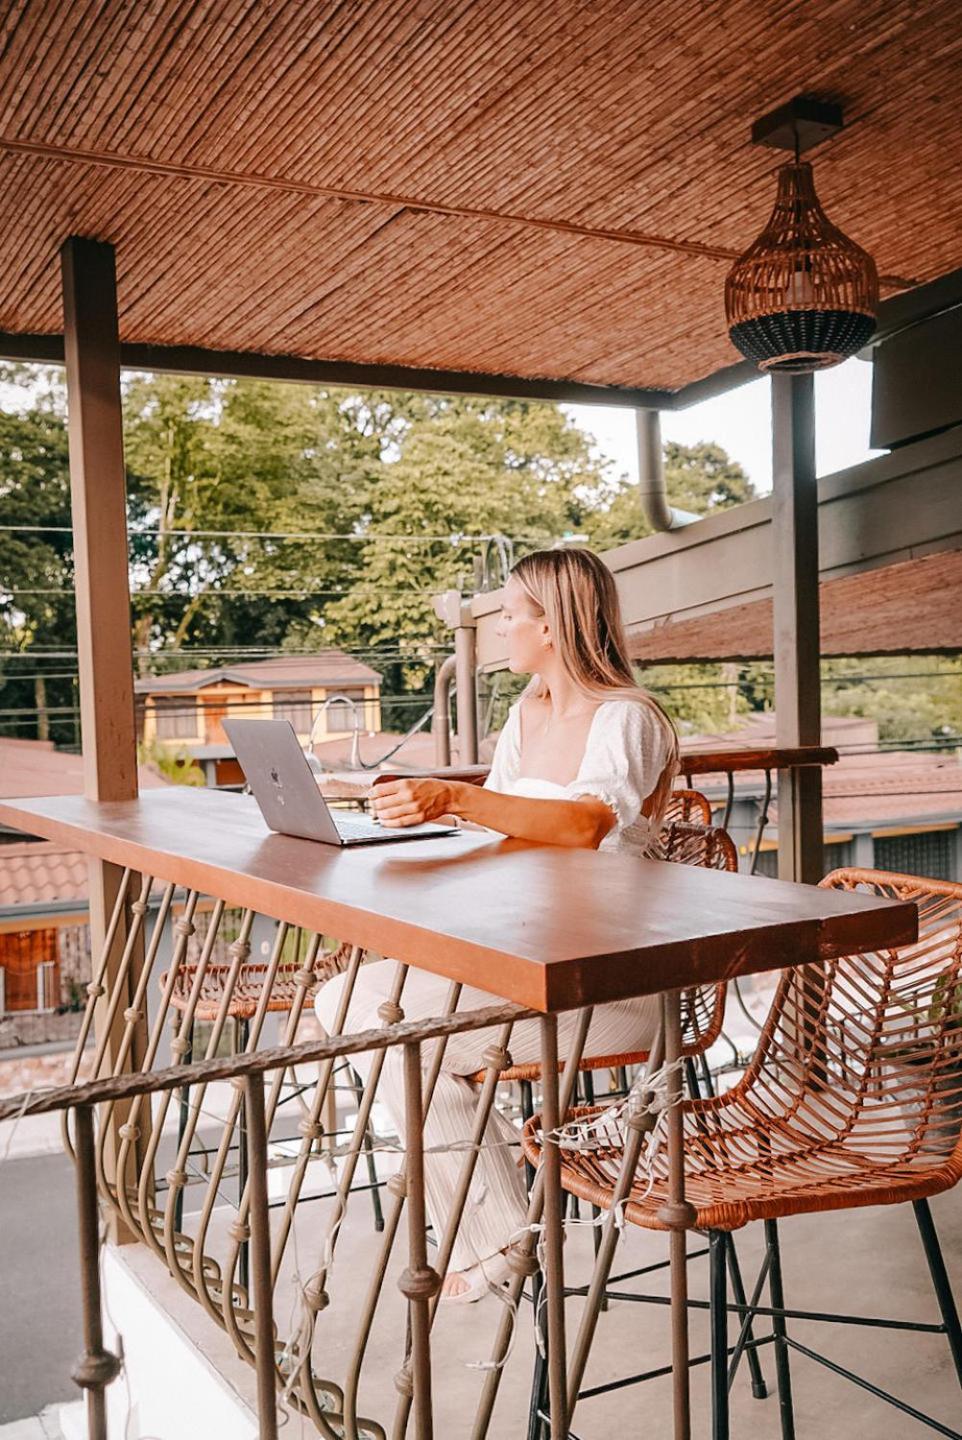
point(487, 1275)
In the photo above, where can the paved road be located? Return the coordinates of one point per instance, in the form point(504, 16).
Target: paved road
point(40, 1319)
point(40, 1334)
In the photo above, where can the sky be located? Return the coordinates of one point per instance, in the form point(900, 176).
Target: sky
point(741, 423)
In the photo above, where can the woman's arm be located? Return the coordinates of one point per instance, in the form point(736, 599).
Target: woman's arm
point(581, 823)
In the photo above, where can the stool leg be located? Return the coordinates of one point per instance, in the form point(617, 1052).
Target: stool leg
point(358, 1087)
point(718, 1298)
point(527, 1110)
point(759, 1388)
point(940, 1280)
point(183, 1110)
point(539, 1380)
point(782, 1371)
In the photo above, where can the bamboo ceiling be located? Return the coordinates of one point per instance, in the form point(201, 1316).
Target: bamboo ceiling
point(477, 185)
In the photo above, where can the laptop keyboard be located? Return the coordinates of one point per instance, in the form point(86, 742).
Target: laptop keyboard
point(352, 829)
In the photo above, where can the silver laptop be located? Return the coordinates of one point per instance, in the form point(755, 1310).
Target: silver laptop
point(285, 788)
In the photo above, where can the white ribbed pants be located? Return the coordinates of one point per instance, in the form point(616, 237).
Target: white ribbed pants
point(496, 1204)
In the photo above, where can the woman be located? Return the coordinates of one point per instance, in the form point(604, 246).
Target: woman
point(586, 759)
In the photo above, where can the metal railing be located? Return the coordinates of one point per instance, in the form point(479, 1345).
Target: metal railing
point(235, 1250)
point(179, 978)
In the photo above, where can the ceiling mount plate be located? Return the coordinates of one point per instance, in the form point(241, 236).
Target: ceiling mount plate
point(807, 122)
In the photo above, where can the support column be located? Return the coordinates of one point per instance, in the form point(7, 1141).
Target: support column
point(455, 611)
point(99, 512)
point(796, 622)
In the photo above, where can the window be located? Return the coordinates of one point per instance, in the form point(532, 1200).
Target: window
point(176, 717)
point(295, 706)
point(342, 715)
point(929, 855)
point(31, 970)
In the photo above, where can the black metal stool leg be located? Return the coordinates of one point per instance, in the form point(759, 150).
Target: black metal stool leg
point(759, 1387)
point(718, 1297)
point(782, 1371)
point(940, 1280)
point(183, 1110)
point(527, 1110)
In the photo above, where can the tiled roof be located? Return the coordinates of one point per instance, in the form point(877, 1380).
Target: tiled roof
point(35, 767)
point(329, 667)
point(868, 787)
point(894, 610)
point(38, 871)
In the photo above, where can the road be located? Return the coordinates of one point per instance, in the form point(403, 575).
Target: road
point(40, 1331)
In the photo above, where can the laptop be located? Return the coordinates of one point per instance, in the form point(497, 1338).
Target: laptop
point(284, 786)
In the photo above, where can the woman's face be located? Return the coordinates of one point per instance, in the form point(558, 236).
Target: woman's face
point(523, 629)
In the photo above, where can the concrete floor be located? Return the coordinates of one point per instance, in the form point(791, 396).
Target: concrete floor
point(867, 1262)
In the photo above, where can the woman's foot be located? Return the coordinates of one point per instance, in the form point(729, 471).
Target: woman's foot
point(465, 1287)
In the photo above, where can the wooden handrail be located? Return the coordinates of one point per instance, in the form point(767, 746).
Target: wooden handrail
point(713, 762)
point(692, 762)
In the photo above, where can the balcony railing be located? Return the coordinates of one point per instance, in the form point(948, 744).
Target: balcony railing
point(275, 1173)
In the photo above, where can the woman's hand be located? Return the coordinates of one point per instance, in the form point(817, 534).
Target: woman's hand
point(411, 802)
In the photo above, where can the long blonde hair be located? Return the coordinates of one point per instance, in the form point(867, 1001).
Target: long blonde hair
point(575, 591)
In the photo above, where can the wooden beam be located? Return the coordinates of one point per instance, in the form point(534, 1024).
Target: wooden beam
point(798, 711)
point(244, 364)
point(98, 501)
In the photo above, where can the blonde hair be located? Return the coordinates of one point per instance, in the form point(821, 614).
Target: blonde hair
point(575, 591)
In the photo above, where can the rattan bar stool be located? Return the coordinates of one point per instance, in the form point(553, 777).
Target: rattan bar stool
point(853, 1098)
point(703, 1008)
point(687, 807)
point(702, 1016)
point(241, 1005)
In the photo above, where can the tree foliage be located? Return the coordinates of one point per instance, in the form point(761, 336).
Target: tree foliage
point(220, 472)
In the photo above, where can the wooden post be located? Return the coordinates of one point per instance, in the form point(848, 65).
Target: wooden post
point(99, 511)
point(798, 709)
point(455, 610)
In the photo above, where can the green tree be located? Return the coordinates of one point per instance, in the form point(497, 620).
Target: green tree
point(36, 555)
point(457, 467)
point(698, 478)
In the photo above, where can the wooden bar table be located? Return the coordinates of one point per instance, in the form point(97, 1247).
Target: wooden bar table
point(547, 927)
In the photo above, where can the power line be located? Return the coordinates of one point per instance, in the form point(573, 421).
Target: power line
point(303, 594)
point(452, 538)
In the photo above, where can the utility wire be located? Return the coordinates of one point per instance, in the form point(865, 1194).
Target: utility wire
point(451, 538)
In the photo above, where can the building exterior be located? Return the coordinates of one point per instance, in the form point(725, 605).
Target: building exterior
point(328, 695)
point(44, 929)
point(887, 809)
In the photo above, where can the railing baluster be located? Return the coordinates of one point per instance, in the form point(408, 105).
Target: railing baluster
point(553, 1230)
point(261, 1258)
point(95, 989)
point(495, 1059)
point(397, 1189)
point(131, 1131)
point(97, 1367)
point(521, 1253)
point(420, 1281)
point(239, 951)
point(678, 1215)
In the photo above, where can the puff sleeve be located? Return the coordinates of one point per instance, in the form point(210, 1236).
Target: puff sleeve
point(506, 761)
point(628, 749)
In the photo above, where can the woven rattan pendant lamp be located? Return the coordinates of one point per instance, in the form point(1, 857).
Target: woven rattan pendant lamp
point(804, 296)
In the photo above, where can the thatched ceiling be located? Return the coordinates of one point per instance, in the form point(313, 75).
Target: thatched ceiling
point(583, 169)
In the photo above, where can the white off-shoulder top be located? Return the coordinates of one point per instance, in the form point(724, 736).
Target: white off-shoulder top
point(627, 749)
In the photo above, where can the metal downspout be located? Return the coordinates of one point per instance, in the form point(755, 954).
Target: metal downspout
point(441, 719)
point(651, 475)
